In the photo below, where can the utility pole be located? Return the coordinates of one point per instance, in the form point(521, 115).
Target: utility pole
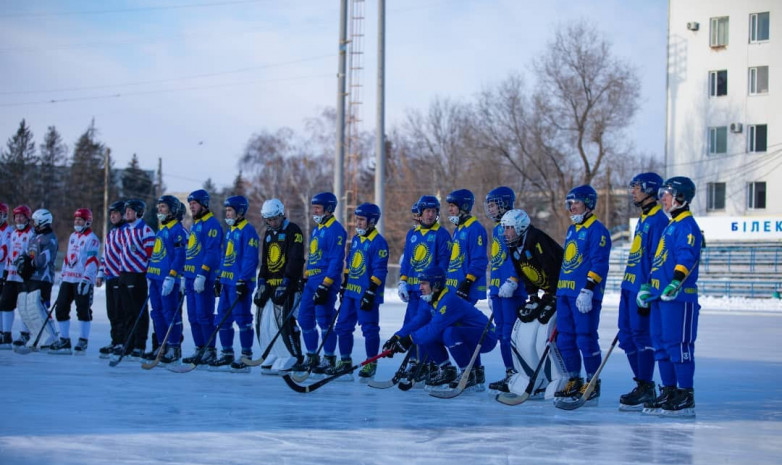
point(380, 137)
point(339, 160)
point(106, 178)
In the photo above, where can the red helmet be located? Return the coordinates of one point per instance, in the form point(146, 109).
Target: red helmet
point(83, 213)
point(23, 210)
point(3, 208)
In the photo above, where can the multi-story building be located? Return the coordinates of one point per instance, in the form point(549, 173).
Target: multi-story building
point(724, 117)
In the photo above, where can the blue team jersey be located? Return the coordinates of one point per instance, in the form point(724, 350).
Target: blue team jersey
point(500, 265)
point(647, 234)
point(679, 249)
point(425, 247)
point(203, 247)
point(327, 251)
point(368, 260)
point(449, 310)
point(468, 257)
point(587, 247)
point(168, 253)
point(240, 254)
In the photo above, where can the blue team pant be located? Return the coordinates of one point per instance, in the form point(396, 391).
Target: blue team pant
point(462, 341)
point(505, 317)
point(674, 328)
point(578, 335)
point(200, 311)
point(241, 314)
point(635, 338)
point(164, 310)
point(412, 306)
point(350, 313)
point(322, 315)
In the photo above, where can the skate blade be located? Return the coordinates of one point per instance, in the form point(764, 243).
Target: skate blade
point(631, 408)
point(240, 370)
point(683, 413)
point(651, 411)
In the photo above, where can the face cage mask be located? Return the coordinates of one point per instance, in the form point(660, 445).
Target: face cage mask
point(230, 221)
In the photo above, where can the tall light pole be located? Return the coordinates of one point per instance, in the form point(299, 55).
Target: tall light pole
point(380, 137)
point(339, 160)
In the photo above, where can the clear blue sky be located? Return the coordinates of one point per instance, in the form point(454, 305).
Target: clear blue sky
point(191, 80)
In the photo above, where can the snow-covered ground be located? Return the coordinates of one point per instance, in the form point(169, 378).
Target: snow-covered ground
point(78, 410)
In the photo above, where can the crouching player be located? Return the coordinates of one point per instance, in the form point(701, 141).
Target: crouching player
point(455, 324)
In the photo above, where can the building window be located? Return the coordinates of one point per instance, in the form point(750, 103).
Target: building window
point(756, 195)
point(757, 137)
point(715, 197)
point(758, 27)
point(718, 140)
point(719, 32)
point(758, 80)
point(718, 83)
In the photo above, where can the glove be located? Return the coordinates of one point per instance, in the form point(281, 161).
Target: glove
point(168, 285)
point(281, 293)
point(643, 298)
point(218, 288)
point(402, 292)
point(584, 301)
point(260, 298)
point(241, 288)
point(530, 310)
point(321, 294)
point(199, 284)
point(84, 287)
point(508, 288)
point(398, 344)
point(464, 289)
point(368, 299)
point(548, 306)
point(671, 291)
point(343, 287)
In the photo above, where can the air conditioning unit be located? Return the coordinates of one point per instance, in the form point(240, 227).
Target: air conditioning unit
point(693, 26)
point(736, 127)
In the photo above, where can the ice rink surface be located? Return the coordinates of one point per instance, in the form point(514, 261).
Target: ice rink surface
point(77, 410)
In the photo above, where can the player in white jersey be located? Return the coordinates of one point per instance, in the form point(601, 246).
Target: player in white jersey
point(17, 246)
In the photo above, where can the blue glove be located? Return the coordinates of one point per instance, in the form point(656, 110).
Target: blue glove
point(671, 291)
point(168, 285)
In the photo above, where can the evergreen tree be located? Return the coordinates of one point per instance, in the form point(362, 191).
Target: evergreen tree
point(137, 184)
point(85, 185)
point(53, 153)
point(18, 168)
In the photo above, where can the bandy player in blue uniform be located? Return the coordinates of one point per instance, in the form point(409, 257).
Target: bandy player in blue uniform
point(505, 294)
point(634, 337)
point(580, 291)
point(164, 271)
point(429, 244)
point(362, 290)
point(324, 272)
point(202, 260)
point(237, 283)
point(466, 272)
point(674, 316)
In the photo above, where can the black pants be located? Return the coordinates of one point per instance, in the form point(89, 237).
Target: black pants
point(68, 294)
point(133, 304)
point(114, 310)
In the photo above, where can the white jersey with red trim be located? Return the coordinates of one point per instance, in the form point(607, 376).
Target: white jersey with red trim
point(5, 244)
point(81, 260)
point(17, 246)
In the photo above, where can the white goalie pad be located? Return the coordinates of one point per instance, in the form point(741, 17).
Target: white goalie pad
point(33, 314)
point(279, 358)
point(529, 342)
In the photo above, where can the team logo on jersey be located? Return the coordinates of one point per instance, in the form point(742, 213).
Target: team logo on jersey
point(457, 258)
point(230, 253)
point(536, 277)
point(193, 247)
point(315, 252)
point(414, 239)
point(274, 257)
point(358, 264)
point(660, 255)
point(422, 257)
point(497, 254)
point(572, 258)
point(635, 251)
point(158, 251)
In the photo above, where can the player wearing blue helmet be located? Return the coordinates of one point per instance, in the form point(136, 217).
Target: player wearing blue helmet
point(634, 337)
point(580, 292)
point(467, 267)
point(672, 292)
point(324, 272)
point(505, 294)
point(236, 284)
point(202, 260)
point(362, 290)
point(427, 245)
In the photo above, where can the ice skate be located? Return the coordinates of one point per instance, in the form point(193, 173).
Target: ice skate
point(502, 385)
point(81, 347)
point(223, 363)
point(655, 407)
point(681, 404)
point(367, 372)
point(61, 347)
point(238, 366)
point(634, 400)
point(343, 365)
